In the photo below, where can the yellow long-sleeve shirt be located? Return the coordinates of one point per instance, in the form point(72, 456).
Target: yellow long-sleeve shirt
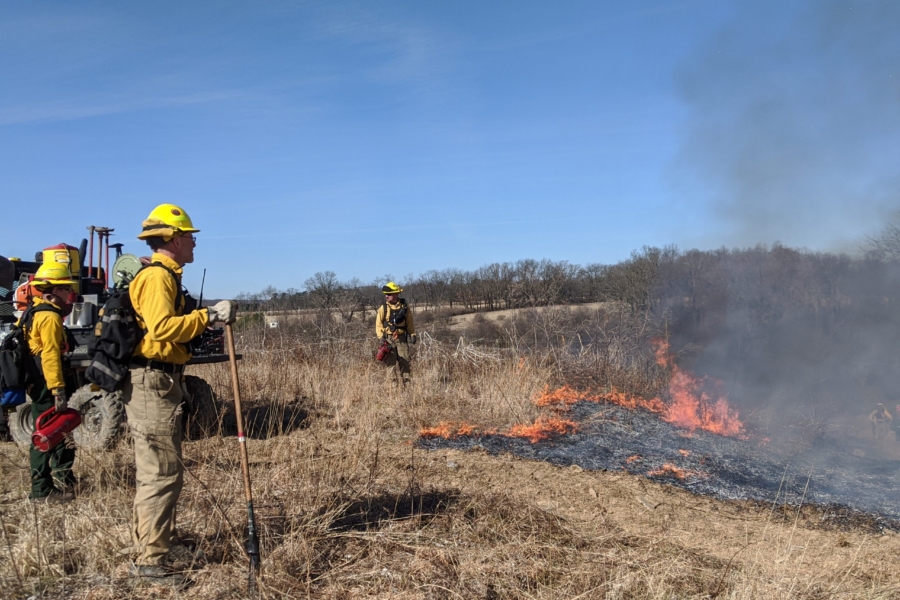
point(381, 320)
point(153, 293)
point(45, 337)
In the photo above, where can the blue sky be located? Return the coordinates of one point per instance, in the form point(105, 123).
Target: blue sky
point(397, 137)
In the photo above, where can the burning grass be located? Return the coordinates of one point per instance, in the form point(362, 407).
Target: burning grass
point(690, 404)
point(450, 430)
point(673, 471)
point(544, 428)
point(349, 508)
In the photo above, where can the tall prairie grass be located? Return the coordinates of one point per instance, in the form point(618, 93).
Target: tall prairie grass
point(349, 507)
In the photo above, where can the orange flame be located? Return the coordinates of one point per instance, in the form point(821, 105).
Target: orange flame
point(691, 407)
point(633, 458)
point(684, 452)
point(654, 405)
point(542, 429)
point(564, 395)
point(668, 469)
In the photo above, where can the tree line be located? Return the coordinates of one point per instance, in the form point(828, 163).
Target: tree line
point(780, 326)
point(523, 284)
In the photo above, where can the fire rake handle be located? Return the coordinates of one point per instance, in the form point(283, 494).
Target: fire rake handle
point(252, 545)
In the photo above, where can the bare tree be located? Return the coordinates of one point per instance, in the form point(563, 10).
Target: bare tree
point(323, 289)
point(885, 246)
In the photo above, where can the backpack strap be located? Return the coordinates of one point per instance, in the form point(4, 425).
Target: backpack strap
point(25, 322)
point(388, 310)
point(28, 315)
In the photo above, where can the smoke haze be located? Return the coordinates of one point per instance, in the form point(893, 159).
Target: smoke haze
point(794, 122)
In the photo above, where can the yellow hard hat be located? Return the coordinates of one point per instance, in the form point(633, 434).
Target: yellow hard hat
point(52, 273)
point(166, 221)
point(391, 288)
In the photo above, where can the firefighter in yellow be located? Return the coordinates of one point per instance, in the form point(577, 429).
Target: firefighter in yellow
point(155, 390)
point(394, 325)
point(43, 328)
point(881, 422)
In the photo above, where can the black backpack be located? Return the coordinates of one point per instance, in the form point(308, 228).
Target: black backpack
point(395, 318)
point(18, 368)
point(116, 337)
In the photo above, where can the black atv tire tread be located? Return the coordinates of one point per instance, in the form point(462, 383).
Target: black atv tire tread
point(21, 425)
point(205, 419)
point(102, 413)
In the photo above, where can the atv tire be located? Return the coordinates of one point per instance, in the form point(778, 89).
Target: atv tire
point(102, 418)
point(21, 425)
point(205, 418)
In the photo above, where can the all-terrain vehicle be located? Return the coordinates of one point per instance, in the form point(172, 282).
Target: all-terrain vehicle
point(103, 414)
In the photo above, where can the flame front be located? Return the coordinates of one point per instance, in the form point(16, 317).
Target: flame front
point(654, 405)
point(447, 430)
point(543, 428)
point(561, 396)
point(691, 407)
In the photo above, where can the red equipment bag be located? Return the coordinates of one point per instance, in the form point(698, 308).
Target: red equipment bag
point(51, 427)
point(383, 351)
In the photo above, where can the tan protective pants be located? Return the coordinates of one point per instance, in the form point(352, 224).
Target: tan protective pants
point(399, 358)
point(153, 406)
point(881, 431)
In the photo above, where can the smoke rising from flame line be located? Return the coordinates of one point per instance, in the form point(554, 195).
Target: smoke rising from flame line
point(691, 408)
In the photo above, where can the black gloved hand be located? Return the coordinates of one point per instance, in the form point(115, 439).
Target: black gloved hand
point(413, 338)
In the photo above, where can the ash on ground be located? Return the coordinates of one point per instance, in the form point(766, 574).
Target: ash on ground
point(834, 473)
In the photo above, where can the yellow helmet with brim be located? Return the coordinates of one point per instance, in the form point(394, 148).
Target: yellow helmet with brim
point(166, 221)
point(52, 274)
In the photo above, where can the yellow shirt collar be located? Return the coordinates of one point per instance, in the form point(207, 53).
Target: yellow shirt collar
point(166, 261)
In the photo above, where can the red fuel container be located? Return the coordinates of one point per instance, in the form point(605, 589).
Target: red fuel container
point(51, 427)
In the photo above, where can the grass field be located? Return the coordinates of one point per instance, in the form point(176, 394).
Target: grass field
point(349, 507)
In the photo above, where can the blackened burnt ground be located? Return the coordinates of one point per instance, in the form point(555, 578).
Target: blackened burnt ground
point(832, 474)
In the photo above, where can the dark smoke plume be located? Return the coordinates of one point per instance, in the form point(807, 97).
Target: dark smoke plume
point(806, 344)
point(794, 122)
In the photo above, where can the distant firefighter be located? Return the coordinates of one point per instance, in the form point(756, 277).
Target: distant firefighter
point(395, 330)
point(881, 422)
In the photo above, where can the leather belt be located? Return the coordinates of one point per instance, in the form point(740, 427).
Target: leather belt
point(171, 369)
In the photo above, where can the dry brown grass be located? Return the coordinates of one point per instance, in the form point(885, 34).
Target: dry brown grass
point(349, 507)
